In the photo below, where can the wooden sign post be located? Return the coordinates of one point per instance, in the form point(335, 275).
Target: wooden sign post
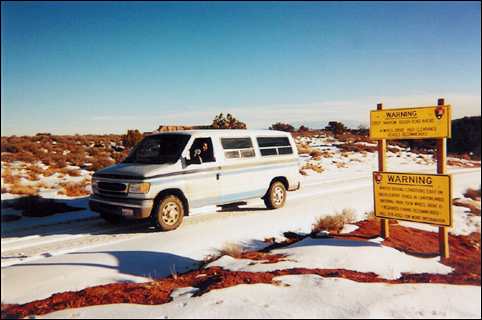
point(443, 233)
point(410, 196)
point(382, 166)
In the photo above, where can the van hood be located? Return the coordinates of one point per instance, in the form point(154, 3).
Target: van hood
point(134, 171)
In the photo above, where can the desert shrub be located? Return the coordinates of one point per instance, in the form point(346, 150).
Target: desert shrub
point(336, 127)
point(36, 169)
point(302, 128)
point(316, 154)
point(60, 163)
point(50, 171)
point(333, 223)
point(75, 189)
point(340, 164)
point(227, 122)
point(7, 175)
point(98, 164)
point(25, 156)
point(76, 158)
point(231, 249)
point(119, 156)
point(131, 138)
point(303, 148)
point(313, 166)
point(71, 172)
point(33, 176)
point(17, 188)
point(282, 127)
point(9, 147)
point(473, 194)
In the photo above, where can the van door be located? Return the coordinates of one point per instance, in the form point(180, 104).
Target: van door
point(241, 175)
point(202, 173)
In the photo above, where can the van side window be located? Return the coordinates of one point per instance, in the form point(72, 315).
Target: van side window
point(237, 148)
point(271, 146)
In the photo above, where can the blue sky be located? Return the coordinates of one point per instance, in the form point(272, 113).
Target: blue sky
point(103, 68)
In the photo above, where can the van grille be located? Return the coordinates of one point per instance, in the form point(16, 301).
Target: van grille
point(112, 186)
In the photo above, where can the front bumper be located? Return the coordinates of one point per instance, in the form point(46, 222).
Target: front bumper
point(129, 208)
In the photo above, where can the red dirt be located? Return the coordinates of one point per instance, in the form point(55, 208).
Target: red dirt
point(464, 250)
point(462, 164)
point(263, 256)
point(473, 194)
point(472, 205)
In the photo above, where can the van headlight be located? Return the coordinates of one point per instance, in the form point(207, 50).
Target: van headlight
point(139, 187)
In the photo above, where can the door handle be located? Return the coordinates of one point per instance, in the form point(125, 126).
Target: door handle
point(218, 175)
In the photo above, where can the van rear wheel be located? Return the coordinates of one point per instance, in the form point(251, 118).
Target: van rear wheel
point(276, 196)
point(168, 213)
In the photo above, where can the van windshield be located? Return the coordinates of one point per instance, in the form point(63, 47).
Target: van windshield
point(158, 149)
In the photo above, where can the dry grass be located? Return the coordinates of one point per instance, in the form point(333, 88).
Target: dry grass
point(70, 172)
point(50, 171)
point(327, 154)
point(304, 148)
point(231, 249)
point(316, 154)
point(313, 166)
point(8, 177)
point(371, 215)
point(17, 188)
point(75, 189)
point(341, 165)
point(334, 223)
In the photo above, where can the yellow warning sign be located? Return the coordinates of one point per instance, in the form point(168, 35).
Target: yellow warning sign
point(414, 197)
point(411, 123)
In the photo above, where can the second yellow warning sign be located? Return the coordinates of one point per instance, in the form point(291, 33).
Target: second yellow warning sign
point(414, 197)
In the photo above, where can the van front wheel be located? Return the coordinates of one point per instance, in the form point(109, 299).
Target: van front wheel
point(276, 196)
point(168, 213)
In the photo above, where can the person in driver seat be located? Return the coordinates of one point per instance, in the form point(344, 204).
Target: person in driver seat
point(206, 154)
point(202, 154)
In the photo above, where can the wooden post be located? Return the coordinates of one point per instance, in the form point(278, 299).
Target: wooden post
point(443, 233)
point(382, 166)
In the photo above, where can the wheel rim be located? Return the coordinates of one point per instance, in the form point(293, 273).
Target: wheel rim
point(278, 195)
point(170, 213)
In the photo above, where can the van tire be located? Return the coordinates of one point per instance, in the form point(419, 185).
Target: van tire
point(111, 218)
point(168, 213)
point(275, 198)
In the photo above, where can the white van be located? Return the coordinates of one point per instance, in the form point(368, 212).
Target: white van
point(167, 174)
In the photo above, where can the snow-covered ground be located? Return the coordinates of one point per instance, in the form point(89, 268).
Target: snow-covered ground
point(75, 250)
point(339, 254)
point(302, 296)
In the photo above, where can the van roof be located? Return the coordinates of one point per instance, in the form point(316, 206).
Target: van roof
point(228, 132)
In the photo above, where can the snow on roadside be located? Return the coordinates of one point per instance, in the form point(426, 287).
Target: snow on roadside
point(329, 253)
point(303, 296)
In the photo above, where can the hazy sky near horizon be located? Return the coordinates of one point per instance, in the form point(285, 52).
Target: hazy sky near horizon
point(71, 68)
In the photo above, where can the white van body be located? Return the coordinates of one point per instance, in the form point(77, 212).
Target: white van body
point(245, 164)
